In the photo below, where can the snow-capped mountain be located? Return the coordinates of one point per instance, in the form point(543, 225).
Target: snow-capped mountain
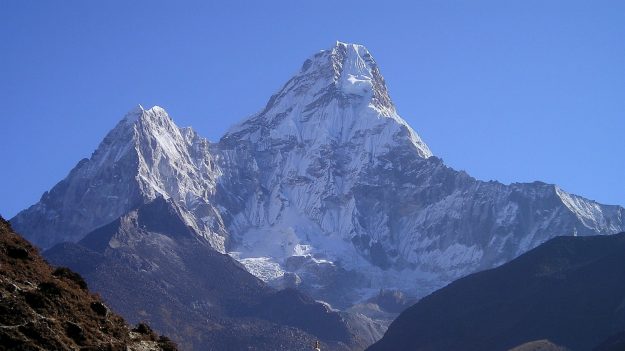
point(327, 188)
point(144, 156)
point(329, 183)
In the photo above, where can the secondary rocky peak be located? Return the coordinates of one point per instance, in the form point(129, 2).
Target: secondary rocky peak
point(138, 116)
point(143, 157)
point(134, 113)
point(153, 115)
point(128, 138)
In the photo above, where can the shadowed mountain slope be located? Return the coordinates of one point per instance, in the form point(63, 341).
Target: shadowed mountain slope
point(151, 266)
point(570, 291)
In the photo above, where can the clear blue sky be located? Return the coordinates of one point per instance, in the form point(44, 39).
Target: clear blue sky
point(506, 90)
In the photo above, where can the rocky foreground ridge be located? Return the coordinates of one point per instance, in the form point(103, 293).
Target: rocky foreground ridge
point(42, 308)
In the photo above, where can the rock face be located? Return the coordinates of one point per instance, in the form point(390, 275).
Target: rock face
point(570, 291)
point(146, 155)
point(42, 308)
point(151, 266)
point(326, 189)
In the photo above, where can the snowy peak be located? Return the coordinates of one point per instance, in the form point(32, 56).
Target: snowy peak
point(592, 215)
point(175, 163)
point(137, 126)
point(355, 76)
point(156, 127)
point(358, 74)
point(337, 97)
point(155, 115)
point(345, 69)
point(143, 157)
point(134, 114)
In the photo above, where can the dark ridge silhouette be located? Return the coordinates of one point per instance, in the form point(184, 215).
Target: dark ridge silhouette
point(570, 291)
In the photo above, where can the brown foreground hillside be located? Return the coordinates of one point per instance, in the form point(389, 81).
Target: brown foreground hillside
point(42, 308)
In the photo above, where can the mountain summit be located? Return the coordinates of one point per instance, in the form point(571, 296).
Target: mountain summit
point(326, 189)
point(338, 95)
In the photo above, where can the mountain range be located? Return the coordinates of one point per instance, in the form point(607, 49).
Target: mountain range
point(326, 190)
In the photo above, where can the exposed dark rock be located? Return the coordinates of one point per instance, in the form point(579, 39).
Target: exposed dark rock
point(17, 252)
point(34, 299)
point(99, 308)
point(49, 288)
point(166, 344)
point(65, 272)
point(75, 332)
point(144, 329)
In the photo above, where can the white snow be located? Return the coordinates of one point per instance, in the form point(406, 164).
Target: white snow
point(263, 268)
point(589, 212)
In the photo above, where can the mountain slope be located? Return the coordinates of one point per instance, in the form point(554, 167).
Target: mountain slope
point(328, 183)
point(326, 189)
point(46, 309)
point(150, 265)
point(570, 290)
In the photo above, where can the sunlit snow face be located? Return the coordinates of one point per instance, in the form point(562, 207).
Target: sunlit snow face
point(356, 76)
point(357, 85)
